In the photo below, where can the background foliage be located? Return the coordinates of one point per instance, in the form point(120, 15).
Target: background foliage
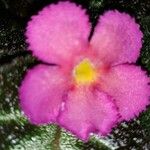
point(15, 131)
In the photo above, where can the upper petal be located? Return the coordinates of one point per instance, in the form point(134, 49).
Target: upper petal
point(87, 111)
point(128, 85)
point(117, 38)
point(41, 93)
point(58, 32)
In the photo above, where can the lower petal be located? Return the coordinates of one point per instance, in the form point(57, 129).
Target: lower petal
point(87, 111)
point(128, 85)
point(41, 93)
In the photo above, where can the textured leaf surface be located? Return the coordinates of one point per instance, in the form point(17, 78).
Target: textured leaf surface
point(15, 131)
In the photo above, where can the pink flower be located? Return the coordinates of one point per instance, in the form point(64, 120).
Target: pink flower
point(94, 84)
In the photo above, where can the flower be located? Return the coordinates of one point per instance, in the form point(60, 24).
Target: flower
point(94, 84)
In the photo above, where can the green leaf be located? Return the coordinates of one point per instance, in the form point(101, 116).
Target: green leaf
point(11, 35)
point(145, 54)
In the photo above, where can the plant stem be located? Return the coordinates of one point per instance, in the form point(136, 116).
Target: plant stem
point(56, 141)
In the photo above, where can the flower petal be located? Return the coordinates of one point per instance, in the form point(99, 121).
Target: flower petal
point(58, 32)
point(41, 93)
point(128, 85)
point(117, 38)
point(87, 111)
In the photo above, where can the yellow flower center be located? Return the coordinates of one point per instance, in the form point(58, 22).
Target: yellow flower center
point(85, 72)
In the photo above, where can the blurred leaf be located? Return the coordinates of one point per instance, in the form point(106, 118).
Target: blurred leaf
point(10, 76)
point(145, 121)
point(145, 54)
point(131, 135)
point(24, 8)
point(11, 35)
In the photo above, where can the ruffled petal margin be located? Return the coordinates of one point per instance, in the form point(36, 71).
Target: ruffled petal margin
point(58, 32)
point(117, 38)
point(87, 111)
point(41, 93)
point(129, 86)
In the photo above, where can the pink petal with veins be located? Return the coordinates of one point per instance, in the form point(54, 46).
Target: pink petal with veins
point(117, 38)
point(41, 93)
point(88, 111)
point(58, 32)
point(128, 85)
